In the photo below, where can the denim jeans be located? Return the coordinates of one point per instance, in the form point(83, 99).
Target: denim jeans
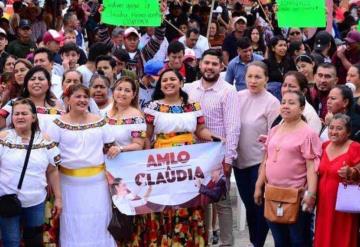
point(293, 235)
point(30, 218)
point(258, 228)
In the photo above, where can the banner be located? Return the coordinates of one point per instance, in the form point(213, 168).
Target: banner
point(152, 180)
point(301, 13)
point(132, 13)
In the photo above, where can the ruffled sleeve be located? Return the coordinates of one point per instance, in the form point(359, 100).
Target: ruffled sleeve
point(138, 130)
point(311, 148)
point(53, 154)
point(354, 153)
point(108, 138)
point(151, 112)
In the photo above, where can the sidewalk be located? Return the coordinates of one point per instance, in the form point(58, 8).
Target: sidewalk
point(241, 237)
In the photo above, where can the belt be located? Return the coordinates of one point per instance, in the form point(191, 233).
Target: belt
point(84, 171)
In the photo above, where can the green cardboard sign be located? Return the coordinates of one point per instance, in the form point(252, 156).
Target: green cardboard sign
point(358, 26)
point(132, 13)
point(301, 13)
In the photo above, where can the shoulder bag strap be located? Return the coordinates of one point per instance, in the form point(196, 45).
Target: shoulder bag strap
point(26, 159)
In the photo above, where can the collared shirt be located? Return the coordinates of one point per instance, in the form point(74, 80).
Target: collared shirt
point(222, 114)
point(201, 45)
point(236, 70)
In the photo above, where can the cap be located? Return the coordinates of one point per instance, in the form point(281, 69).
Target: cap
point(218, 10)
point(131, 30)
point(2, 32)
point(2, 5)
point(52, 35)
point(322, 40)
point(240, 18)
point(189, 54)
point(117, 31)
point(174, 4)
point(353, 37)
point(24, 23)
point(152, 67)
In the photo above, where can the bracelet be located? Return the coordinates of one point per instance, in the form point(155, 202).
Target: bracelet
point(310, 194)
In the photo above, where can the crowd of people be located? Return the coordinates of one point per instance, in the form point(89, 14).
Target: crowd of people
point(74, 90)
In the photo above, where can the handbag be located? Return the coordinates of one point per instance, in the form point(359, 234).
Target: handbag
point(348, 198)
point(282, 205)
point(121, 226)
point(10, 205)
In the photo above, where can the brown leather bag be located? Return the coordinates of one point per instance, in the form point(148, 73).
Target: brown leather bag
point(282, 205)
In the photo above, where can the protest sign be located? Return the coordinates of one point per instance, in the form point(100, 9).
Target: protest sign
point(304, 13)
point(152, 180)
point(132, 13)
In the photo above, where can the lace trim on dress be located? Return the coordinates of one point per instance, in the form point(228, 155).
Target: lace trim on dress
point(79, 127)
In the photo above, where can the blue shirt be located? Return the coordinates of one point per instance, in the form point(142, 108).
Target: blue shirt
point(236, 70)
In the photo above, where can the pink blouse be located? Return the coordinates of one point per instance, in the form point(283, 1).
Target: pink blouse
point(287, 155)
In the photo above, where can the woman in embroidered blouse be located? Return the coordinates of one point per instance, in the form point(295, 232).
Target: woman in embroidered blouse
point(37, 83)
point(173, 121)
point(42, 164)
point(292, 155)
point(87, 207)
point(125, 120)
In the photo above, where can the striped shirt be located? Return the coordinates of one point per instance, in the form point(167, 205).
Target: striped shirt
point(222, 113)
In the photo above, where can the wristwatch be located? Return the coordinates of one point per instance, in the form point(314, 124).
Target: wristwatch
point(121, 148)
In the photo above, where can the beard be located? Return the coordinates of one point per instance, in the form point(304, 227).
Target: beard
point(213, 78)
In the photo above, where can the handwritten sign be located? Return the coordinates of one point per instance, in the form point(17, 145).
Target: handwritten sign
point(304, 13)
point(132, 13)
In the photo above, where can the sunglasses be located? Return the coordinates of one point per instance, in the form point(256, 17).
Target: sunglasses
point(295, 33)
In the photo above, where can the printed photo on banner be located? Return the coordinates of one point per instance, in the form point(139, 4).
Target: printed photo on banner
point(152, 180)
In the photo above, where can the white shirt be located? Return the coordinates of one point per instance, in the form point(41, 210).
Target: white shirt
point(126, 204)
point(201, 45)
point(12, 157)
point(86, 74)
point(125, 129)
point(312, 118)
point(56, 87)
point(81, 145)
point(161, 53)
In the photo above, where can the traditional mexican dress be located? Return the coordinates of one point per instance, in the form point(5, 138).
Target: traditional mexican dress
point(174, 125)
point(45, 114)
point(125, 129)
point(85, 193)
point(335, 228)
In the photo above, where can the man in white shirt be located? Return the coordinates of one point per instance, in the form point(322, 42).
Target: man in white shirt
point(194, 40)
point(202, 43)
point(87, 70)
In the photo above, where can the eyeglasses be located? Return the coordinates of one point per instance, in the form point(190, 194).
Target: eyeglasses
point(295, 33)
